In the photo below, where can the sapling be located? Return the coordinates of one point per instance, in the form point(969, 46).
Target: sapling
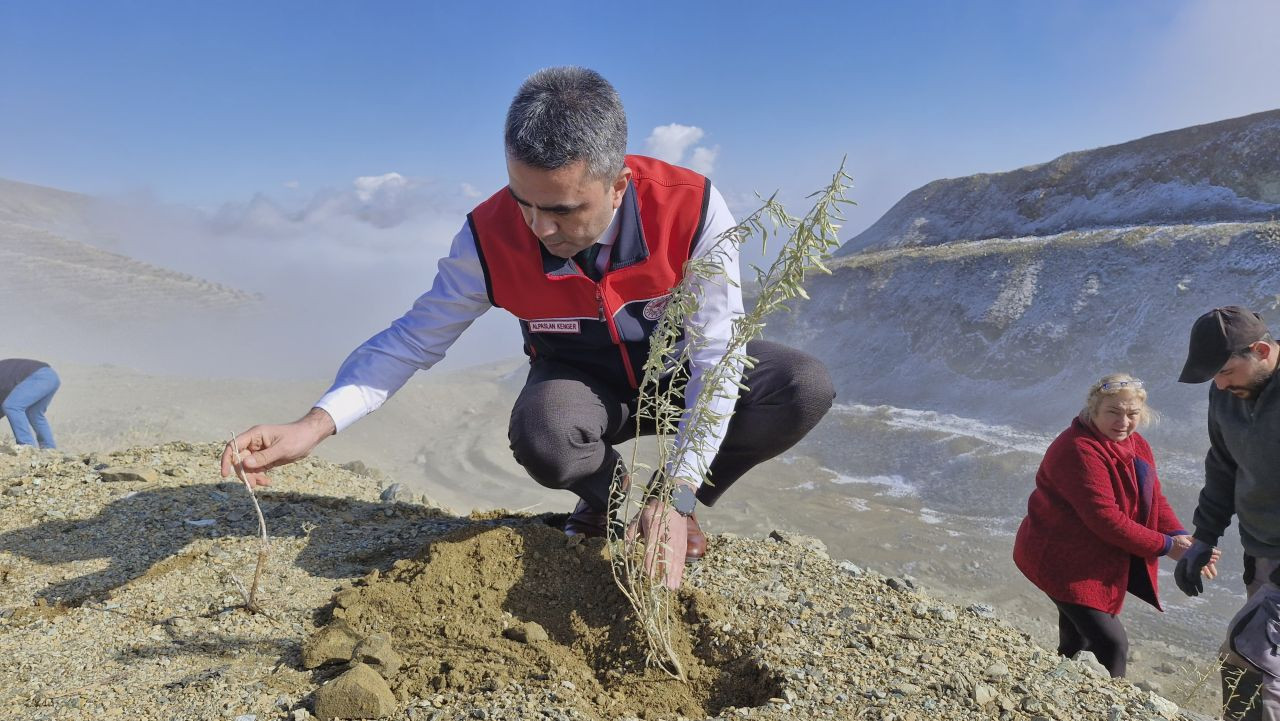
point(662, 404)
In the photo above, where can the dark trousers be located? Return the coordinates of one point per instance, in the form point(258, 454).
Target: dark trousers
point(565, 422)
point(1081, 628)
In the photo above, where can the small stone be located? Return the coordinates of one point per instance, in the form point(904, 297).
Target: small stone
point(125, 474)
point(247, 717)
point(1148, 686)
point(356, 467)
point(899, 584)
point(1162, 706)
point(300, 714)
point(851, 568)
point(1066, 668)
point(795, 539)
point(396, 493)
point(376, 651)
point(905, 689)
point(982, 610)
point(529, 632)
point(334, 643)
point(1090, 663)
point(996, 671)
point(358, 693)
point(346, 598)
point(983, 694)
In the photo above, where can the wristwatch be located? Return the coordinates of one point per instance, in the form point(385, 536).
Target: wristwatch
point(684, 499)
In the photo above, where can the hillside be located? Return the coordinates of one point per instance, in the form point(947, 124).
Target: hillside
point(62, 293)
point(1003, 296)
point(118, 600)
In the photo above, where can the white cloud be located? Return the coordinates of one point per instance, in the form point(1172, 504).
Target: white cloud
point(385, 185)
point(672, 142)
point(669, 142)
point(470, 191)
point(381, 201)
point(291, 184)
point(704, 160)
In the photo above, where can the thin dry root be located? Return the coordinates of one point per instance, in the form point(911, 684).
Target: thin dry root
point(264, 547)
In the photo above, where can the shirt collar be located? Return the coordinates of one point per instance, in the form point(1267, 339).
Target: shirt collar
point(610, 233)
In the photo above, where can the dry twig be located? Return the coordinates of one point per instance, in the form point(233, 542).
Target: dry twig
point(264, 548)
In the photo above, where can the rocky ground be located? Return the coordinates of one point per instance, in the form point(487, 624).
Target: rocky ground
point(118, 599)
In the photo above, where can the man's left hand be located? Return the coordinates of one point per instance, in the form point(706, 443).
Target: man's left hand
point(666, 535)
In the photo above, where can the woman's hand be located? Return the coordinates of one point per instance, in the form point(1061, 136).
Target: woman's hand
point(1210, 569)
point(1179, 546)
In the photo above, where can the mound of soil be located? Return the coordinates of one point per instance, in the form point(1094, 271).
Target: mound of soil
point(460, 614)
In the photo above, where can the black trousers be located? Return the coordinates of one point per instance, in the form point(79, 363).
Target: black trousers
point(565, 422)
point(1081, 628)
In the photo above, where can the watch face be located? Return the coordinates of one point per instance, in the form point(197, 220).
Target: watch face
point(684, 500)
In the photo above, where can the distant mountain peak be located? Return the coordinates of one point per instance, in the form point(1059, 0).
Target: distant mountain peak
point(1226, 171)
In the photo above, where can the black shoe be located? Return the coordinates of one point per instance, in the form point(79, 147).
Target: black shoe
point(585, 521)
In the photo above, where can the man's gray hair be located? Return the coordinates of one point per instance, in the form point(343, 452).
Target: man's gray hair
point(566, 114)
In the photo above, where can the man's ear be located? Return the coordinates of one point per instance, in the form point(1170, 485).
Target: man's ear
point(619, 186)
point(1263, 350)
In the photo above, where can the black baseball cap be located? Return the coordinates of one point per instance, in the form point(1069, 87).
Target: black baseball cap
point(1215, 336)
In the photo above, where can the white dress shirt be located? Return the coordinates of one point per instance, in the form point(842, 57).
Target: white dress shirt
point(419, 339)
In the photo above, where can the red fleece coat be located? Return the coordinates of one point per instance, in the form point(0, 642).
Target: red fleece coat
point(1091, 532)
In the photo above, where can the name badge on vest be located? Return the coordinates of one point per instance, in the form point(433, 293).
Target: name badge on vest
point(555, 326)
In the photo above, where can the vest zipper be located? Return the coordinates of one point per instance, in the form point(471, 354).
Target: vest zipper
point(617, 339)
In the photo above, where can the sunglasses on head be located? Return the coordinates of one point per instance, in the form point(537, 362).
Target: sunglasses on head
point(1117, 385)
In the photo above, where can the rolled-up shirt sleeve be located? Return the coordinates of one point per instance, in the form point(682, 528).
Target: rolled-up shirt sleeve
point(719, 303)
point(416, 341)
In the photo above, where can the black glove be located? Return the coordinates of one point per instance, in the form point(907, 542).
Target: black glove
point(1250, 568)
point(1187, 572)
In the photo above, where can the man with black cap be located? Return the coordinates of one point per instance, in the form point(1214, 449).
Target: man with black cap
point(1233, 347)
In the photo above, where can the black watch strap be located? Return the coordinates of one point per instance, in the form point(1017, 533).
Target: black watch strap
point(684, 499)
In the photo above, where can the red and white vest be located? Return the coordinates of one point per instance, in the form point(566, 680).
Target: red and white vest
point(601, 328)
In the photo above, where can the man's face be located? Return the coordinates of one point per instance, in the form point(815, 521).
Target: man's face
point(566, 208)
point(1244, 376)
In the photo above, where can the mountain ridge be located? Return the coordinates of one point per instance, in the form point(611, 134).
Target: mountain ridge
point(1227, 170)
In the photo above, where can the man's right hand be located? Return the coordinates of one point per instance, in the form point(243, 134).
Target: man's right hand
point(265, 447)
point(1194, 561)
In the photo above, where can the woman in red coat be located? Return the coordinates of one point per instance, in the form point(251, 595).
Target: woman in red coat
point(1097, 522)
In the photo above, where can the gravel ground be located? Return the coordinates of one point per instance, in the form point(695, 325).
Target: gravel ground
point(118, 599)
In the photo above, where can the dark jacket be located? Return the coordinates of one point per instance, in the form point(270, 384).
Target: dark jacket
point(1096, 522)
point(1242, 470)
point(14, 371)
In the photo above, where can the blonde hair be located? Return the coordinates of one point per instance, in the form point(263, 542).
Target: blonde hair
point(1126, 386)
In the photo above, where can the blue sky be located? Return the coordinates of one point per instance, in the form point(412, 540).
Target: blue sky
point(281, 123)
point(204, 103)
